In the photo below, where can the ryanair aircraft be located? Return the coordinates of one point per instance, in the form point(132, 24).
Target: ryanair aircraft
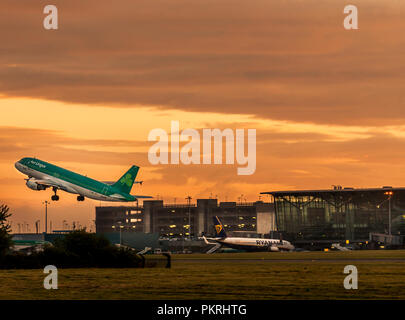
point(43, 175)
point(248, 244)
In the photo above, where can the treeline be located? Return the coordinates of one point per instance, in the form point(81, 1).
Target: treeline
point(5, 237)
point(78, 249)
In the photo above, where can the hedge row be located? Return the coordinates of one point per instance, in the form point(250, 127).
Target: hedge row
point(78, 249)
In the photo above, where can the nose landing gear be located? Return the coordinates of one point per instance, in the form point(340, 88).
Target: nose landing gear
point(80, 198)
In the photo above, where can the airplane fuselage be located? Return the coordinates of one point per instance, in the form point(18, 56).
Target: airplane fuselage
point(254, 244)
point(247, 244)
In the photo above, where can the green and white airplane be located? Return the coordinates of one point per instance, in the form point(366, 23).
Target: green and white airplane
point(43, 175)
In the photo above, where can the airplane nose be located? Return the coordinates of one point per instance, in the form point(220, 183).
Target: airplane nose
point(18, 166)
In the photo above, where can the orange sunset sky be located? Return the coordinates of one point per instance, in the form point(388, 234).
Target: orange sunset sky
point(327, 103)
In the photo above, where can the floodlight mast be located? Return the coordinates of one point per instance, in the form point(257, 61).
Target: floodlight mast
point(189, 217)
point(389, 194)
point(46, 215)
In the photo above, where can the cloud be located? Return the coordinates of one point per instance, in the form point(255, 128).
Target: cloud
point(276, 60)
point(54, 146)
point(285, 160)
point(289, 61)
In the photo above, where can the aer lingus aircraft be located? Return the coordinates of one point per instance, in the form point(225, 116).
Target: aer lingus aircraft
point(43, 175)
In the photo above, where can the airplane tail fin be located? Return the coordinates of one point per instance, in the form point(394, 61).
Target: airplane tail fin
point(219, 228)
point(125, 183)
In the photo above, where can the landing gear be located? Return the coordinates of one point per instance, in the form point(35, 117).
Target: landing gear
point(55, 197)
point(80, 198)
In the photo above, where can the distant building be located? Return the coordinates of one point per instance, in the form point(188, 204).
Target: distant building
point(339, 213)
point(178, 220)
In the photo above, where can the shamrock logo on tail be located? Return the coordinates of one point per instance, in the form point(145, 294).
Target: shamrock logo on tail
point(127, 180)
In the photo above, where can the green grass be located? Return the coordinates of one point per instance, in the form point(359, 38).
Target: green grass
point(270, 276)
point(313, 255)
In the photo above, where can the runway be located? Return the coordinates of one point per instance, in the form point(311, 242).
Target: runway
point(223, 260)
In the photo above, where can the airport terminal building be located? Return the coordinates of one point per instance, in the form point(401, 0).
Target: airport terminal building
point(304, 217)
point(339, 213)
point(179, 220)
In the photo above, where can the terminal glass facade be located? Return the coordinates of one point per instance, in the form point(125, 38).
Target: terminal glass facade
point(339, 214)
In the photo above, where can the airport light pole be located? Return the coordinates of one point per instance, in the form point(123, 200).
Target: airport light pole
point(189, 216)
point(120, 226)
point(389, 193)
point(46, 215)
point(37, 226)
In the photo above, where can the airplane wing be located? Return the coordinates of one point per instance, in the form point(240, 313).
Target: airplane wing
point(143, 197)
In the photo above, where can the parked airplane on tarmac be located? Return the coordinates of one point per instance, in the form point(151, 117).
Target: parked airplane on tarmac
point(43, 175)
point(248, 244)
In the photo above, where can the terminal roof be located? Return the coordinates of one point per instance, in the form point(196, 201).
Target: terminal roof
point(309, 192)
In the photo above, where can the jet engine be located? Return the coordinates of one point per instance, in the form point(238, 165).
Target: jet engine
point(274, 249)
point(35, 186)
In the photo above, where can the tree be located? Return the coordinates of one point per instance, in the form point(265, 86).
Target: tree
point(5, 237)
point(82, 243)
point(83, 249)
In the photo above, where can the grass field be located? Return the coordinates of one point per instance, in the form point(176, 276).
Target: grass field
point(300, 275)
